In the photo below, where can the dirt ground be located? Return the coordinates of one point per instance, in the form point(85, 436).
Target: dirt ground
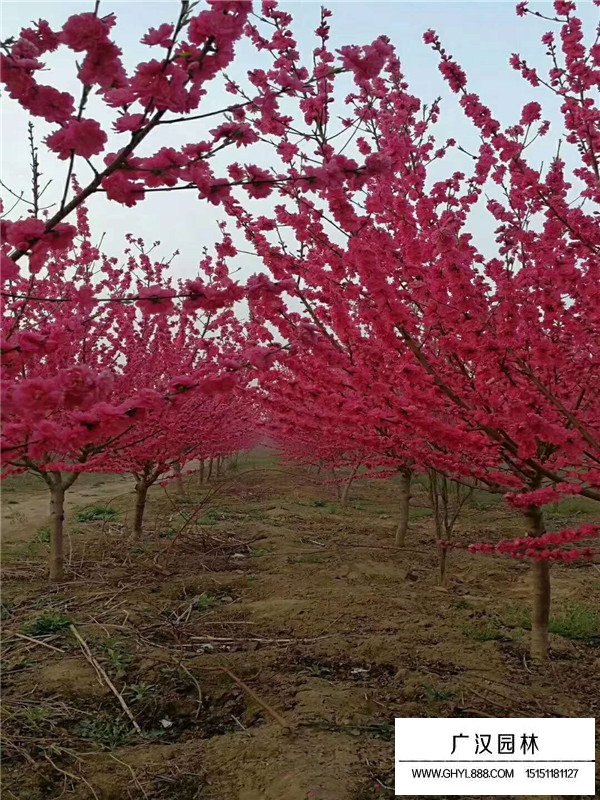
point(264, 640)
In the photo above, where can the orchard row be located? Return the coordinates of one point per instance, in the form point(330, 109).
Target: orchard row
point(377, 335)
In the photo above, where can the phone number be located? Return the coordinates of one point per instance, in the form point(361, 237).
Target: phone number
point(549, 772)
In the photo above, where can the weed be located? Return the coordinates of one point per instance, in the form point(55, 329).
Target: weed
point(139, 692)
point(569, 507)
point(156, 734)
point(482, 500)
point(104, 730)
point(258, 552)
point(420, 512)
point(433, 694)
point(383, 730)
point(178, 679)
point(42, 535)
point(48, 622)
point(24, 663)
point(207, 521)
point(578, 622)
point(169, 533)
point(37, 718)
point(462, 603)
point(96, 513)
point(517, 616)
point(205, 601)
point(483, 631)
point(5, 611)
point(308, 559)
point(326, 505)
point(118, 658)
point(141, 549)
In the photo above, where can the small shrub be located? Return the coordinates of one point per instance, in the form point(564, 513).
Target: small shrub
point(48, 622)
point(96, 513)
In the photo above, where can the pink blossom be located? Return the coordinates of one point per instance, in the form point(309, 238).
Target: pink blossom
point(84, 31)
point(24, 233)
point(530, 113)
point(159, 36)
point(119, 188)
point(129, 122)
point(156, 299)
point(83, 137)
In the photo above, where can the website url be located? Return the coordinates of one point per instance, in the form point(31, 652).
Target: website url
point(438, 772)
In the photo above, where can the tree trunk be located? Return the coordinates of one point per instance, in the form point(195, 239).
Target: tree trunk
point(443, 563)
point(57, 515)
point(210, 469)
point(201, 471)
point(178, 479)
point(540, 576)
point(347, 485)
point(141, 490)
point(402, 529)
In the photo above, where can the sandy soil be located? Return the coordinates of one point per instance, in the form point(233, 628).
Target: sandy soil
point(265, 650)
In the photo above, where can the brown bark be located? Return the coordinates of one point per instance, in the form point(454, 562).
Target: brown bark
point(178, 479)
point(210, 469)
point(201, 471)
point(141, 490)
point(540, 576)
point(57, 516)
point(443, 563)
point(402, 529)
point(347, 485)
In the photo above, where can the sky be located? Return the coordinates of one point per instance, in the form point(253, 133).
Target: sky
point(481, 35)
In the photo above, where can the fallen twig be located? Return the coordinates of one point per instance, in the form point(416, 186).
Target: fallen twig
point(71, 775)
point(244, 686)
point(198, 688)
point(38, 641)
point(104, 677)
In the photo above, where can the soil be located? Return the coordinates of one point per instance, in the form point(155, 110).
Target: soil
point(264, 638)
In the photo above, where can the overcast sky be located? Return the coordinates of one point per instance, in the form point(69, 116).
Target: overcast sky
point(481, 35)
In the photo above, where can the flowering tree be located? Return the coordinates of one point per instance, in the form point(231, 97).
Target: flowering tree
point(490, 360)
point(317, 416)
point(81, 382)
point(483, 365)
point(183, 352)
